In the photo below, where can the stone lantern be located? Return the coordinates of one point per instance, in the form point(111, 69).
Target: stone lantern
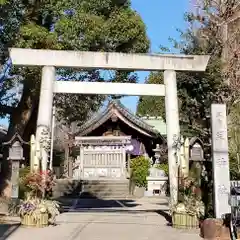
point(157, 154)
point(15, 156)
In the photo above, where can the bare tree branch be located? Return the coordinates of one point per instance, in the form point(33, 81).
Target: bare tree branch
point(221, 23)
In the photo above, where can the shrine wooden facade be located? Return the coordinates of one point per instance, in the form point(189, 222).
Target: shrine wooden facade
point(107, 141)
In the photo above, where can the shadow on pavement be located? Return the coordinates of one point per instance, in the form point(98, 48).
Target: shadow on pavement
point(7, 229)
point(166, 215)
point(87, 201)
point(74, 196)
point(163, 204)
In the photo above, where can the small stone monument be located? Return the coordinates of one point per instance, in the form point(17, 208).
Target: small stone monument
point(196, 158)
point(15, 157)
point(196, 149)
point(156, 181)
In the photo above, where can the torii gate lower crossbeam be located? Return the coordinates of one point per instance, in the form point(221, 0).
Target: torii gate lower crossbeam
point(49, 59)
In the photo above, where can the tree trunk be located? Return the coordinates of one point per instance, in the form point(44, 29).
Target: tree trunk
point(21, 115)
point(18, 122)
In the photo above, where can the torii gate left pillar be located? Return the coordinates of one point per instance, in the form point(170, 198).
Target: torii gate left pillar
point(49, 59)
point(44, 120)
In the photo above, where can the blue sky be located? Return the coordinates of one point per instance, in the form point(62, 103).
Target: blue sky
point(162, 18)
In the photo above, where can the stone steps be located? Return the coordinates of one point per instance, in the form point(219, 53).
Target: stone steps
point(102, 189)
point(106, 189)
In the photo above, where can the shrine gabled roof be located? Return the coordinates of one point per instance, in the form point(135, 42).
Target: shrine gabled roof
point(117, 109)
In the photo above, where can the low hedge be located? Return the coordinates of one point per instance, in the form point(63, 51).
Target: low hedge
point(140, 170)
point(163, 166)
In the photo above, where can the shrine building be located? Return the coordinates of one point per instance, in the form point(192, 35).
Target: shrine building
point(106, 142)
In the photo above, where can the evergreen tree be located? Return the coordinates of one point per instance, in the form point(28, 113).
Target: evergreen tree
point(152, 105)
point(87, 25)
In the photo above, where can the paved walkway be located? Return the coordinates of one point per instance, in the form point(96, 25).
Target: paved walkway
point(108, 220)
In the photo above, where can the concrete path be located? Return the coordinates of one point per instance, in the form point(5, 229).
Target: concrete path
point(107, 220)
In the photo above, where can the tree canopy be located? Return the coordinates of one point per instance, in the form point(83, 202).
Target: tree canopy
point(198, 90)
point(152, 105)
point(87, 25)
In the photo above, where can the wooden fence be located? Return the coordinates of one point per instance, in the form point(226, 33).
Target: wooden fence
point(100, 163)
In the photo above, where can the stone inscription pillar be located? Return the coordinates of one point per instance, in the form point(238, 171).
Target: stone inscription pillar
point(220, 160)
point(43, 133)
point(173, 130)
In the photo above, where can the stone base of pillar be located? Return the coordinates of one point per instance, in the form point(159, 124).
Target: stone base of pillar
point(212, 228)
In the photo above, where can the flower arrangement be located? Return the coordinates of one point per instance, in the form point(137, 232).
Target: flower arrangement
point(188, 187)
point(189, 198)
point(37, 209)
point(38, 184)
point(189, 209)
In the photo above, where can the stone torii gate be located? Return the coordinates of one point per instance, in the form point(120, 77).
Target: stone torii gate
point(49, 59)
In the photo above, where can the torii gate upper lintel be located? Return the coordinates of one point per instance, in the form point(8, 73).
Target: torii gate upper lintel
point(49, 59)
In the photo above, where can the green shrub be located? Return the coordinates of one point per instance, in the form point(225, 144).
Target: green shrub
point(140, 170)
point(22, 189)
point(24, 171)
point(234, 167)
point(162, 166)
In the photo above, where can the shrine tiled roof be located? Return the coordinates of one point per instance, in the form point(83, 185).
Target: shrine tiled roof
point(115, 106)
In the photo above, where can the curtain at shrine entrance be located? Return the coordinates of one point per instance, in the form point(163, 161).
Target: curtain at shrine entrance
point(136, 148)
